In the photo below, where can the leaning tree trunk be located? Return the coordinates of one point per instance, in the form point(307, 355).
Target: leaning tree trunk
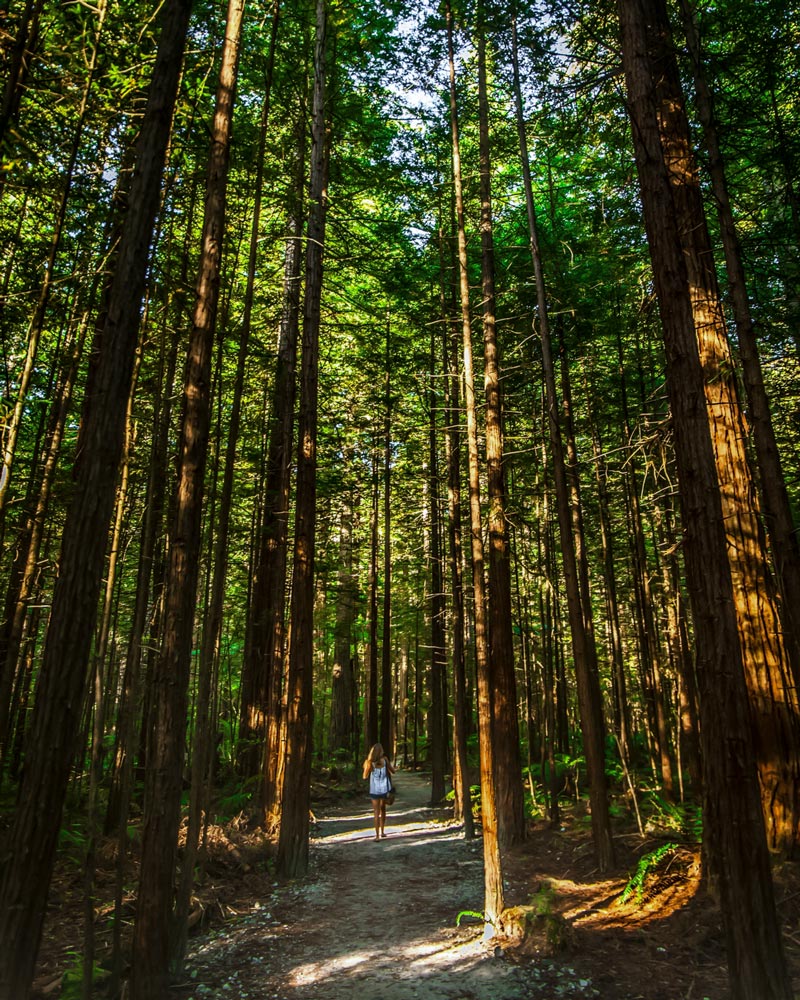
point(63, 673)
point(163, 780)
point(492, 862)
point(584, 651)
point(292, 855)
point(507, 761)
point(696, 369)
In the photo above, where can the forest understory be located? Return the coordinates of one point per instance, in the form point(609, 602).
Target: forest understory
point(400, 920)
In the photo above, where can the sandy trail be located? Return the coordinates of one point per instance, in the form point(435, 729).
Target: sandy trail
point(375, 921)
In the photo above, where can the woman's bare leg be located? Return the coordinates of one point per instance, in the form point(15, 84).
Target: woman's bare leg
point(376, 808)
point(383, 817)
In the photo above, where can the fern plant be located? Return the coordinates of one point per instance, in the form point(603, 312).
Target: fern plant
point(646, 865)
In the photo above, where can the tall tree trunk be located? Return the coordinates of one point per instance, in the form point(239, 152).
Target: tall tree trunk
point(292, 855)
point(342, 680)
point(548, 615)
point(461, 782)
point(648, 643)
point(492, 863)
point(371, 701)
point(697, 369)
point(438, 711)
point(209, 650)
point(386, 648)
point(63, 673)
point(778, 517)
point(619, 687)
point(163, 780)
point(773, 695)
point(680, 652)
point(122, 781)
point(584, 652)
point(507, 761)
point(260, 709)
point(98, 732)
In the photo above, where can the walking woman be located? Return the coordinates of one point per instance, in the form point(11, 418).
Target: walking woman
point(378, 769)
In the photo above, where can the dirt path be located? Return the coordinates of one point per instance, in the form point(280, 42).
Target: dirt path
point(374, 921)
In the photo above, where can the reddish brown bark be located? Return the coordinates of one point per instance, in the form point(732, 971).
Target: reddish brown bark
point(716, 499)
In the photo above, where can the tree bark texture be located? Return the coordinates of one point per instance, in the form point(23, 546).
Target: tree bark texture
point(386, 646)
point(772, 691)
point(292, 855)
point(694, 369)
point(507, 761)
point(163, 780)
point(63, 673)
point(437, 736)
point(778, 518)
point(492, 863)
point(583, 648)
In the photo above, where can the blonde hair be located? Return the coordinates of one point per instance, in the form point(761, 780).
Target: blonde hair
point(376, 754)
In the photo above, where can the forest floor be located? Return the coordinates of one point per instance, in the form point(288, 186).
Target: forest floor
point(379, 920)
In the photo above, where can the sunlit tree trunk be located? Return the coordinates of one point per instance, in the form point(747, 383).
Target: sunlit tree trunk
point(452, 444)
point(507, 762)
point(679, 651)
point(778, 518)
point(492, 864)
point(584, 652)
point(706, 421)
point(773, 696)
point(63, 673)
point(292, 854)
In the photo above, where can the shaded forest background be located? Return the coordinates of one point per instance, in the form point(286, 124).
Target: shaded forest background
point(256, 513)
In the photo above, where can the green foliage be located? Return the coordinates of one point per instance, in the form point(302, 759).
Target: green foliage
point(236, 798)
point(72, 983)
point(72, 837)
point(472, 914)
point(685, 818)
point(543, 899)
point(474, 796)
point(646, 864)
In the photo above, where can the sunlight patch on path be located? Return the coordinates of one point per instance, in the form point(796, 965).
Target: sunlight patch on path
point(410, 962)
